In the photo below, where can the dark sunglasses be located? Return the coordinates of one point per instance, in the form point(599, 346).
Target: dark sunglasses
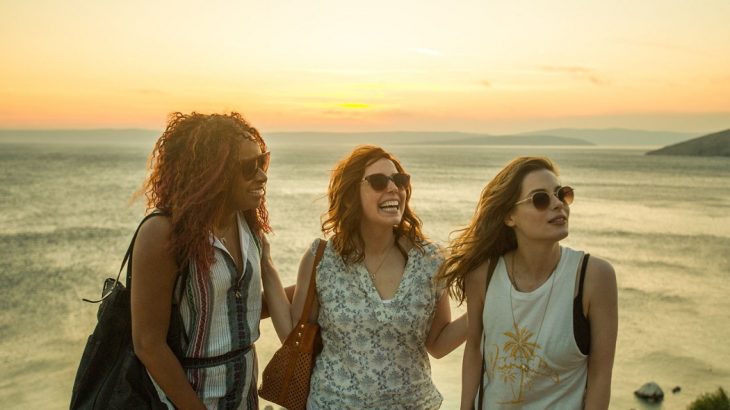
point(379, 182)
point(541, 200)
point(250, 167)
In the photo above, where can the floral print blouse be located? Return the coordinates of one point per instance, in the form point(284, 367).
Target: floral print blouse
point(374, 353)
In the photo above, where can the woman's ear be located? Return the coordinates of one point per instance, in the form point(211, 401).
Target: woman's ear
point(509, 220)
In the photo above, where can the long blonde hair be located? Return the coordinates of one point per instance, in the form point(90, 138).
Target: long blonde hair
point(487, 236)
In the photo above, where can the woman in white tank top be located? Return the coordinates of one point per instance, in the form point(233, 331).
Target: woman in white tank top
point(542, 318)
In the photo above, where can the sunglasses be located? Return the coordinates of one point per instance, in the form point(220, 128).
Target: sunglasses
point(250, 167)
point(379, 182)
point(541, 200)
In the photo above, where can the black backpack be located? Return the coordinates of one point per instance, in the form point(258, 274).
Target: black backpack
point(110, 376)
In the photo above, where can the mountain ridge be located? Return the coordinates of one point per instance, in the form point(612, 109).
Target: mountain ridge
point(558, 136)
point(716, 144)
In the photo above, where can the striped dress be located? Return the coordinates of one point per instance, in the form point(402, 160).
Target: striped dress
point(221, 310)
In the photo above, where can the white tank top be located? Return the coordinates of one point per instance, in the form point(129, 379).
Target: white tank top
point(533, 362)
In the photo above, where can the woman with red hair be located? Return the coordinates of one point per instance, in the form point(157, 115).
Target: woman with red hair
point(208, 182)
point(380, 310)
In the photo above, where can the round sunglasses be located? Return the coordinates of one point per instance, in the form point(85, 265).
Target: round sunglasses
point(541, 200)
point(379, 182)
point(250, 167)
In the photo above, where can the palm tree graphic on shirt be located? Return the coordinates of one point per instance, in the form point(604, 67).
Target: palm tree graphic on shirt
point(520, 358)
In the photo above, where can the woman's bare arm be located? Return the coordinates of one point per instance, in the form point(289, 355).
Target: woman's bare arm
point(601, 297)
point(300, 292)
point(155, 273)
point(445, 335)
point(274, 296)
point(472, 363)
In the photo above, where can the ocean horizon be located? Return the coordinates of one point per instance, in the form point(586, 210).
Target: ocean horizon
point(662, 222)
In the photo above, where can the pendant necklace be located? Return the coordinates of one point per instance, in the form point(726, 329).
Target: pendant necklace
point(513, 282)
point(380, 265)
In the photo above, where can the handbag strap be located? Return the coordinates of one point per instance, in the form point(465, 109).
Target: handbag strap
point(490, 273)
point(311, 300)
point(127, 260)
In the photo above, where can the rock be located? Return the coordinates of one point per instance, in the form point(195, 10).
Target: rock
point(650, 392)
point(676, 389)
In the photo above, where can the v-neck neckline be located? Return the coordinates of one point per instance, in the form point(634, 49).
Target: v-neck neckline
point(243, 239)
point(367, 281)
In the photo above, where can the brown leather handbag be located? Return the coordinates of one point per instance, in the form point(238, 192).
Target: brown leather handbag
point(285, 380)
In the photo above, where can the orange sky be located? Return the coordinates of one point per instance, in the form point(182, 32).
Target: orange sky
point(480, 66)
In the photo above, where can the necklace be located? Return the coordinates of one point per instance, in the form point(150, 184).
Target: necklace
point(512, 309)
point(222, 235)
point(380, 265)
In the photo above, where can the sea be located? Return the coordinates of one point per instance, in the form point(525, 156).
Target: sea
point(67, 215)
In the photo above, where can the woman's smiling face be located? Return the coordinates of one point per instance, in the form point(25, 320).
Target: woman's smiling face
point(382, 207)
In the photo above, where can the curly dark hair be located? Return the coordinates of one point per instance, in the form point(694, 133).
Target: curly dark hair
point(192, 169)
point(342, 220)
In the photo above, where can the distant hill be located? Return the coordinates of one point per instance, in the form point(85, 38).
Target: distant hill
point(95, 136)
point(414, 137)
point(712, 145)
point(555, 137)
point(618, 136)
point(519, 140)
point(391, 137)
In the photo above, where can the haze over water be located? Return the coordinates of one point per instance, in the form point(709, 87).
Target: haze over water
point(662, 222)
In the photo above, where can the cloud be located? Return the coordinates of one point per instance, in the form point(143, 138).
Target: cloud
point(581, 73)
point(485, 83)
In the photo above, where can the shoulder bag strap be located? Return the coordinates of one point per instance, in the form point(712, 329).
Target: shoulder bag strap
point(490, 273)
point(311, 302)
point(128, 256)
point(126, 261)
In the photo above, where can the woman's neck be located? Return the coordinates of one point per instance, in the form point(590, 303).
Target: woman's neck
point(225, 223)
point(536, 262)
point(378, 239)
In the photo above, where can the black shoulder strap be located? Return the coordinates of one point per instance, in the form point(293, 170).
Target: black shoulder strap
point(582, 279)
point(127, 259)
point(128, 256)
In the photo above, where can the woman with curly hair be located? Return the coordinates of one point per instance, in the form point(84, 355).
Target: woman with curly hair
point(542, 318)
point(380, 310)
point(208, 182)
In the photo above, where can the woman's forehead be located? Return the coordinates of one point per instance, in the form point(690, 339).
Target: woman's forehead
point(248, 149)
point(540, 179)
point(383, 165)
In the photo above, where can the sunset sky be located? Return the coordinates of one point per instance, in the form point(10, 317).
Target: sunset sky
point(479, 66)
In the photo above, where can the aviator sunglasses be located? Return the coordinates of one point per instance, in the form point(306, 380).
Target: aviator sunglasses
point(541, 200)
point(250, 167)
point(379, 182)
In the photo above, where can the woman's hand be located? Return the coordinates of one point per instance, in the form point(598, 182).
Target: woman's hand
point(275, 301)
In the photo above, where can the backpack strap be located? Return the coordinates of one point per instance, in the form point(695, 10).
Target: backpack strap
point(128, 256)
point(127, 260)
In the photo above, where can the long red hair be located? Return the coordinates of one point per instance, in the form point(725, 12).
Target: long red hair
point(342, 220)
point(192, 169)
